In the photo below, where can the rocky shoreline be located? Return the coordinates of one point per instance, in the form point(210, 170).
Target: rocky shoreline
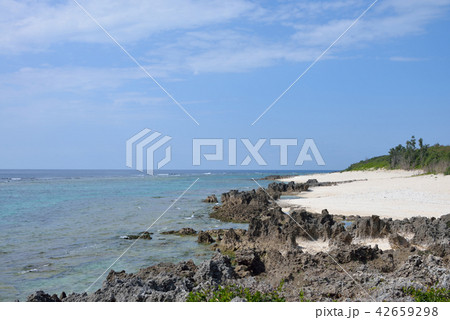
point(317, 257)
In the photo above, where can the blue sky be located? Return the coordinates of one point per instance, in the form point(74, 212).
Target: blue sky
point(71, 97)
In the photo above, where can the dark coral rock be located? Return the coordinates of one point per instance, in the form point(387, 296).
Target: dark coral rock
point(142, 235)
point(205, 237)
point(181, 232)
point(211, 199)
point(41, 296)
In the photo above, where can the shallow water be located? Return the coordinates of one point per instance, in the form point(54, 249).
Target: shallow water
point(288, 197)
point(62, 228)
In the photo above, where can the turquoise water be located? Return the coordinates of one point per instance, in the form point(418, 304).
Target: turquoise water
point(62, 228)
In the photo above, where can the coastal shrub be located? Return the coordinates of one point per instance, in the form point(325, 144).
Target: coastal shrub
point(432, 294)
point(414, 155)
point(228, 293)
point(381, 162)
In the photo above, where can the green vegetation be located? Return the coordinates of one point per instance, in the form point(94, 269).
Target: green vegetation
point(415, 155)
point(430, 295)
point(228, 293)
point(231, 254)
point(381, 162)
point(302, 297)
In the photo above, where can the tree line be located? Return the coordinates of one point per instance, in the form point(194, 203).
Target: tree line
point(417, 155)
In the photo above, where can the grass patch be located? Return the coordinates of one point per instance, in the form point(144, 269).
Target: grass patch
point(228, 293)
point(429, 295)
point(230, 254)
point(381, 162)
point(302, 297)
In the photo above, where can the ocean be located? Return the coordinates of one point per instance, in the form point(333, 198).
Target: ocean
point(61, 229)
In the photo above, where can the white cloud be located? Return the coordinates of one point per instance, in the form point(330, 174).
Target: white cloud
point(201, 36)
point(406, 59)
point(225, 51)
point(42, 94)
point(301, 31)
point(69, 93)
point(35, 25)
point(77, 80)
point(385, 21)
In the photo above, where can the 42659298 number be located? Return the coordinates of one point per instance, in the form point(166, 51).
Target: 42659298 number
point(407, 311)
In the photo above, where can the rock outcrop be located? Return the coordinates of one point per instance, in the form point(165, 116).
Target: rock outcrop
point(141, 235)
point(211, 199)
point(341, 267)
point(181, 232)
point(162, 282)
point(241, 206)
point(205, 237)
point(276, 189)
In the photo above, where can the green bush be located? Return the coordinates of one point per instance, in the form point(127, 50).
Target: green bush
point(381, 162)
point(430, 295)
point(228, 293)
point(434, 159)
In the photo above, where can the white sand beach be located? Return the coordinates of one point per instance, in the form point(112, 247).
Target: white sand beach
point(393, 194)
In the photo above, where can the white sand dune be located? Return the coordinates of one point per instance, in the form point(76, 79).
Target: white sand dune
point(393, 194)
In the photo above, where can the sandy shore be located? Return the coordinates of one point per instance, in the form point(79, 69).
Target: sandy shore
point(393, 194)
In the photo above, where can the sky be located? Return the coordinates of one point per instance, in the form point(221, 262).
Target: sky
point(71, 97)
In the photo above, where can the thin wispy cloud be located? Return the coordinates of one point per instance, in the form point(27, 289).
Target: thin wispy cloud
point(68, 79)
point(176, 38)
point(298, 33)
point(36, 25)
point(406, 59)
point(194, 35)
point(226, 59)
